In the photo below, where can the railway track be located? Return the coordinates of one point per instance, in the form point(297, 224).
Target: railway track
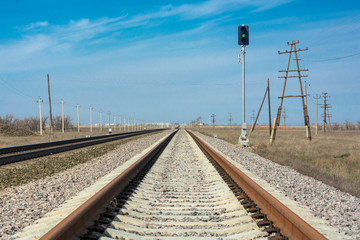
point(173, 192)
point(24, 152)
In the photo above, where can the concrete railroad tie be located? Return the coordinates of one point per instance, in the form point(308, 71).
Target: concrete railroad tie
point(183, 196)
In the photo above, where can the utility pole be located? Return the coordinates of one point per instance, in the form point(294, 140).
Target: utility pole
point(326, 107)
point(109, 120)
point(100, 120)
point(213, 120)
point(284, 116)
point(230, 120)
point(302, 95)
point(316, 127)
point(78, 117)
point(40, 101)
point(305, 93)
point(62, 117)
point(90, 119)
point(329, 118)
point(253, 117)
point(51, 122)
point(120, 123)
point(267, 92)
point(114, 122)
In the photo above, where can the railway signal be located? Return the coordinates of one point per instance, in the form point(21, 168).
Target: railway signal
point(243, 40)
point(243, 34)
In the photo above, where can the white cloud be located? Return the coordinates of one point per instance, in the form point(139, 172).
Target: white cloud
point(36, 25)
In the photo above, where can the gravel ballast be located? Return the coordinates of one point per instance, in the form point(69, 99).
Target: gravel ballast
point(22, 205)
point(341, 210)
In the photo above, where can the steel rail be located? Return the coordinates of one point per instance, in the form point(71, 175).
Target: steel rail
point(62, 146)
point(286, 220)
point(27, 147)
point(75, 224)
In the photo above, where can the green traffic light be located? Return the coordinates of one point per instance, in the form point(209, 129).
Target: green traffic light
point(243, 35)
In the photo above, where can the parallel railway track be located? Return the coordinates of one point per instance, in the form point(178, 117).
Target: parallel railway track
point(174, 192)
point(24, 152)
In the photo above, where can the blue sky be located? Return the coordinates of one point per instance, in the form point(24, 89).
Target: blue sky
point(175, 60)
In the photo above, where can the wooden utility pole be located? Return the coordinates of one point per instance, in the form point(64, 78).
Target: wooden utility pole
point(77, 107)
point(230, 119)
point(267, 91)
point(100, 120)
point(316, 127)
point(120, 123)
point(213, 120)
point(62, 117)
point(253, 117)
point(51, 122)
point(302, 95)
point(40, 101)
point(326, 107)
point(284, 116)
point(305, 93)
point(329, 115)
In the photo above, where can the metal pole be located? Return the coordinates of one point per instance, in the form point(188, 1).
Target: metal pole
point(243, 83)
point(243, 139)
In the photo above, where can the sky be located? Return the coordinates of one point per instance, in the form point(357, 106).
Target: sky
point(161, 61)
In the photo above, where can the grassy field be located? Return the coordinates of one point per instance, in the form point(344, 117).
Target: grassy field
point(20, 173)
point(331, 157)
point(7, 141)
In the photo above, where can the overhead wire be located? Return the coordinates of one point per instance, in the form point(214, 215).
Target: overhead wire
point(14, 89)
point(333, 59)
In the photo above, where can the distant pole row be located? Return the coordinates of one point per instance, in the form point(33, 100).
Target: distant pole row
point(129, 125)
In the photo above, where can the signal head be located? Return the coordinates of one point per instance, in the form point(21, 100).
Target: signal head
point(243, 35)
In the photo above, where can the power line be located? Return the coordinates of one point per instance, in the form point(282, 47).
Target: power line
point(332, 59)
point(9, 86)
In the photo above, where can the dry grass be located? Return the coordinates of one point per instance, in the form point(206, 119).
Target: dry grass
point(333, 157)
point(23, 172)
point(8, 141)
